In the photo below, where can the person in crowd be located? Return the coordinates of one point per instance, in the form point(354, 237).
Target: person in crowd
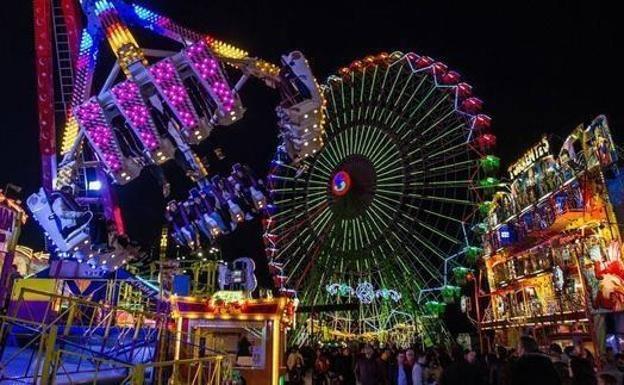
point(505, 358)
point(610, 367)
point(384, 365)
point(367, 370)
point(410, 357)
point(533, 367)
point(433, 371)
point(400, 372)
point(344, 367)
point(461, 371)
point(582, 371)
point(582, 352)
point(321, 369)
point(556, 357)
point(607, 379)
point(418, 370)
point(294, 364)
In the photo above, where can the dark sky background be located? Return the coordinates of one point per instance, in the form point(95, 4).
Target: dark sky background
point(539, 66)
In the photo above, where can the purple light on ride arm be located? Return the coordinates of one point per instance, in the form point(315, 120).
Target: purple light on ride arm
point(128, 99)
point(207, 68)
point(172, 90)
point(91, 118)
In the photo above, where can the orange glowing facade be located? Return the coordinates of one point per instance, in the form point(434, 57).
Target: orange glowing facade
point(552, 264)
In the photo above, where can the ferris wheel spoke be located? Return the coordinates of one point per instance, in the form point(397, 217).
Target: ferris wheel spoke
point(360, 139)
point(413, 234)
point(430, 111)
point(391, 166)
point(361, 96)
point(390, 200)
point(446, 150)
point(362, 233)
point(323, 221)
point(393, 177)
point(376, 104)
point(333, 97)
point(435, 124)
point(440, 137)
point(342, 143)
point(297, 241)
point(381, 152)
point(414, 93)
point(446, 183)
point(422, 102)
point(441, 199)
point(435, 231)
point(419, 260)
point(352, 97)
point(376, 209)
point(325, 164)
point(386, 171)
point(387, 159)
point(344, 107)
point(398, 99)
point(381, 144)
point(374, 223)
point(394, 83)
point(437, 214)
point(370, 137)
point(370, 93)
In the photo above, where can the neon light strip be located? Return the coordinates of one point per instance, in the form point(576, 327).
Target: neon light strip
point(209, 71)
point(128, 99)
point(172, 89)
point(118, 35)
point(83, 75)
point(90, 116)
point(166, 27)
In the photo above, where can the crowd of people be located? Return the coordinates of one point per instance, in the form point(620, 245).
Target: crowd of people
point(525, 365)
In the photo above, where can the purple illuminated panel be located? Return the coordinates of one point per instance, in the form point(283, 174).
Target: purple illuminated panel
point(209, 71)
point(172, 89)
point(128, 99)
point(91, 118)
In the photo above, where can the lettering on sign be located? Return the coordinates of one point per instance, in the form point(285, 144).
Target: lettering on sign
point(527, 160)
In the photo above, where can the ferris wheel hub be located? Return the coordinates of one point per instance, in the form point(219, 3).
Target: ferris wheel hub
point(352, 186)
point(341, 183)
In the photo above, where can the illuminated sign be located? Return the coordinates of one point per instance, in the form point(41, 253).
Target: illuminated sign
point(228, 296)
point(527, 160)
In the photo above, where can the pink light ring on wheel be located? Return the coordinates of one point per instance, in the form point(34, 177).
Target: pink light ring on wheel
point(207, 68)
point(90, 117)
point(171, 88)
point(465, 103)
point(128, 99)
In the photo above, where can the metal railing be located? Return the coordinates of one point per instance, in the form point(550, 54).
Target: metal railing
point(73, 340)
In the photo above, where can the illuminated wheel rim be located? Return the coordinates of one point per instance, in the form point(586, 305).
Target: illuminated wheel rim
point(390, 197)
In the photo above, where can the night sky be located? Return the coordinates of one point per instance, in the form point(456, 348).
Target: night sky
point(538, 68)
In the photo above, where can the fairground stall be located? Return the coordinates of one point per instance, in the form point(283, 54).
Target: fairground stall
point(552, 244)
point(250, 331)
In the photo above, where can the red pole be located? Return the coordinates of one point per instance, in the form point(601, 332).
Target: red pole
point(45, 89)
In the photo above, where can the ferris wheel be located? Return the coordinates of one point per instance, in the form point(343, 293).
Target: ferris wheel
point(382, 213)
